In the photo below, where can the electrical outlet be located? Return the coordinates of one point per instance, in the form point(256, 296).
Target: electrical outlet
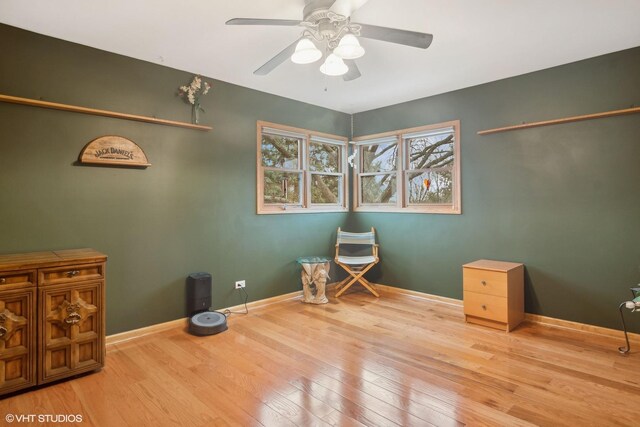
point(240, 284)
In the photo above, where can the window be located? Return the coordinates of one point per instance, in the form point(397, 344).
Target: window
point(378, 172)
point(300, 170)
point(410, 170)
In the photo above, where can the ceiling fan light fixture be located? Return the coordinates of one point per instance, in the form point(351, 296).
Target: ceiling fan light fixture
point(306, 52)
point(334, 66)
point(349, 47)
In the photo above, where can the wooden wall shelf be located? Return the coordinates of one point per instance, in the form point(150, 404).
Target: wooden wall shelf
point(96, 112)
point(563, 120)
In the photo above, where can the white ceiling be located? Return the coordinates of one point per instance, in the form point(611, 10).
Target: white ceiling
point(474, 41)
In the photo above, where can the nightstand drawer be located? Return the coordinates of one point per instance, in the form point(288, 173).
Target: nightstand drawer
point(484, 281)
point(486, 306)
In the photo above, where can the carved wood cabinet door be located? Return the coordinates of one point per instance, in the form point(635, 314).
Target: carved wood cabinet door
point(70, 330)
point(17, 339)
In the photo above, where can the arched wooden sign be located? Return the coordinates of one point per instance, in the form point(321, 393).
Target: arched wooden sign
point(113, 150)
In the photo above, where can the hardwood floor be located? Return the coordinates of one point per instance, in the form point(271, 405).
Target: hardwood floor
point(356, 361)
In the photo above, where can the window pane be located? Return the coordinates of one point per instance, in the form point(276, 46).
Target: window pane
point(379, 157)
point(324, 157)
point(280, 151)
point(325, 189)
point(431, 151)
point(379, 189)
point(430, 187)
point(274, 187)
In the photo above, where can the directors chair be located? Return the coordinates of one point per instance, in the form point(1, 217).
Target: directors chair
point(356, 266)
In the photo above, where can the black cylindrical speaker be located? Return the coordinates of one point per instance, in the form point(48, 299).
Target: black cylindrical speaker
point(198, 293)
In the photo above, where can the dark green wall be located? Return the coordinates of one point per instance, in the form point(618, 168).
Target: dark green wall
point(564, 200)
point(193, 210)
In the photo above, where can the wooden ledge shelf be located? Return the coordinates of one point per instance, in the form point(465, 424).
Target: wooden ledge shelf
point(97, 112)
point(563, 120)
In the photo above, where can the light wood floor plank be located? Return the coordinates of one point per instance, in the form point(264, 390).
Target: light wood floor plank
point(357, 361)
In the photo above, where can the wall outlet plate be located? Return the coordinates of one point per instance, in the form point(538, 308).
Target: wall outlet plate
point(240, 284)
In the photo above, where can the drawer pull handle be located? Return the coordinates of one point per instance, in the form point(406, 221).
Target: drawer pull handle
point(484, 307)
point(72, 273)
point(73, 318)
point(484, 283)
point(3, 280)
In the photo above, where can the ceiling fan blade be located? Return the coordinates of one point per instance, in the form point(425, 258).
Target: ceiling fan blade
point(392, 35)
point(347, 7)
point(353, 72)
point(271, 64)
point(257, 21)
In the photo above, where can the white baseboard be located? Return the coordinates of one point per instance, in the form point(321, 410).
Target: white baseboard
point(528, 317)
point(141, 332)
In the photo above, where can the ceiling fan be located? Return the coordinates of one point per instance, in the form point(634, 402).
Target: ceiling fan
point(328, 23)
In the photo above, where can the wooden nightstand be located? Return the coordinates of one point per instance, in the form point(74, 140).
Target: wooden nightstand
point(493, 293)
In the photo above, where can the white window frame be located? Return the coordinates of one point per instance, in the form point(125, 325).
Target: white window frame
point(402, 169)
point(307, 137)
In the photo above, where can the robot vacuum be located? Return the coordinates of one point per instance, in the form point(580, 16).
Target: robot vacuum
point(202, 321)
point(207, 323)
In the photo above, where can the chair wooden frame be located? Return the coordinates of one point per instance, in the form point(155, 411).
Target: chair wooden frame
point(356, 272)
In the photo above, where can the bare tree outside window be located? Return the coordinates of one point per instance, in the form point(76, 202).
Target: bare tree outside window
point(281, 152)
point(411, 170)
point(430, 163)
point(325, 164)
point(300, 171)
point(379, 163)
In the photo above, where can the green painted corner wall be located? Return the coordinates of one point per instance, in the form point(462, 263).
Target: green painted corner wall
point(564, 200)
point(192, 210)
point(561, 199)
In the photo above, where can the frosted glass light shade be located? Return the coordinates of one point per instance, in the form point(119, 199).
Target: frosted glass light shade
point(334, 66)
point(349, 47)
point(306, 52)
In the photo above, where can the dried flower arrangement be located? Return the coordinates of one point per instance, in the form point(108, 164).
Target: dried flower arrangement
point(192, 93)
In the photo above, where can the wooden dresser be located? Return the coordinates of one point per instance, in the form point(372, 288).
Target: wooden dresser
point(52, 316)
point(493, 293)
